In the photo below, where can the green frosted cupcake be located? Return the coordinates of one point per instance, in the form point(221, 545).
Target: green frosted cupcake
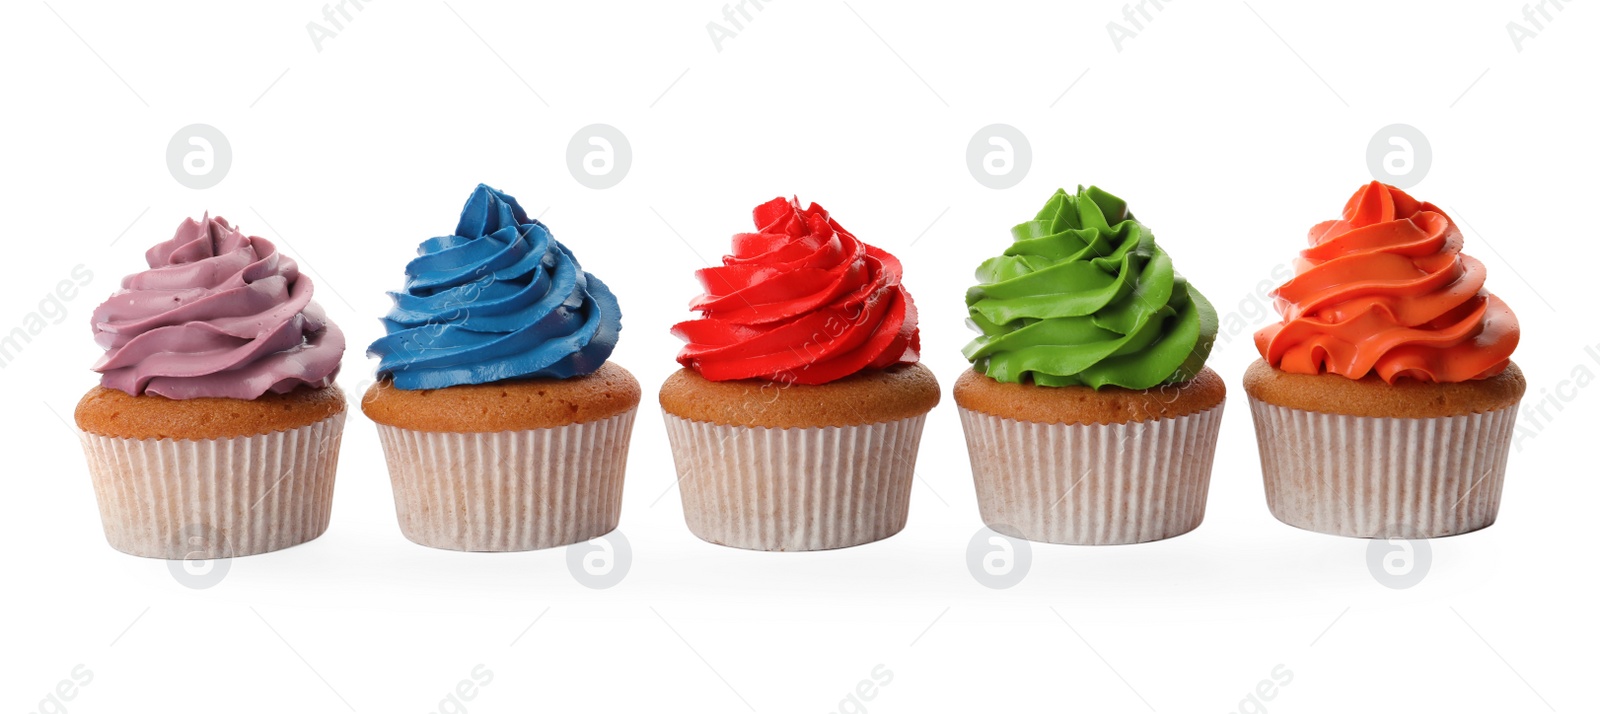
point(1090, 415)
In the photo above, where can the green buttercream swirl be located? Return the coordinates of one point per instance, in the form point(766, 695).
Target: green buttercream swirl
point(1084, 296)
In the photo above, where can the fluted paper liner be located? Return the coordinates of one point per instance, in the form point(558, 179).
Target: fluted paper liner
point(1092, 484)
point(1381, 477)
point(215, 498)
point(509, 490)
point(794, 489)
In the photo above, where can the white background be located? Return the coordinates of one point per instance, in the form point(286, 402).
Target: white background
point(1230, 128)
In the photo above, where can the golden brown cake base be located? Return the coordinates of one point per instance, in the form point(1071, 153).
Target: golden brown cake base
point(1366, 459)
point(1370, 396)
point(508, 405)
point(1082, 466)
point(114, 413)
point(508, 490)
point(212, 477)
point(868, 397)
point(1086, 405)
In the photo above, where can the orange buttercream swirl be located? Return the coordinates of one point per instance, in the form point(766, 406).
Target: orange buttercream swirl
point(1387, 290)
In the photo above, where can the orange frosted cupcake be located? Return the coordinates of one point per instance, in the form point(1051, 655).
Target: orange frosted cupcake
point(796, 419)
point(1384, 402)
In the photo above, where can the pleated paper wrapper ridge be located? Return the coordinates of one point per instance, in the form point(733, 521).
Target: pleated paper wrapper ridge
point(1383, 477)
point(215, 498)
point(1092, 484)
point(795, 489)
point(509, 490)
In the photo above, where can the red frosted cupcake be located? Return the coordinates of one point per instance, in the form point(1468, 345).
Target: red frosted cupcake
point(796, 418)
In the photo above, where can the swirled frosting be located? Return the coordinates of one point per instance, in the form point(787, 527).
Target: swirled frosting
point(218, 314)
point(1084, 296)
point(800, 301)
point(499, 299)
point(1386, 290)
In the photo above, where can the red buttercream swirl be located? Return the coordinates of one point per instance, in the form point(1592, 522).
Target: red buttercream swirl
point(1387, 290)
point(800, 301)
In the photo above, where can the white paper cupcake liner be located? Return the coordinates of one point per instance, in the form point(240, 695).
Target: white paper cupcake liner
point(215, 498)
point(509, 490)
point(1092, 484)
point(1379, 477)
point(794, 489)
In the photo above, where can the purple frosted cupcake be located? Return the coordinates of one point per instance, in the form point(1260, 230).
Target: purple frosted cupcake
point(215, 429)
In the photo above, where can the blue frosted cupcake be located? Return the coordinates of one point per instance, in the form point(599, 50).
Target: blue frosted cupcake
point(504, 425)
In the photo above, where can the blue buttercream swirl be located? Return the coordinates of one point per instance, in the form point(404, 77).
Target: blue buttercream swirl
point(500, 299)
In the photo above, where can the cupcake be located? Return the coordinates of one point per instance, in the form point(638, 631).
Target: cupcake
point(1089, 414)
point(1384, 402)
point(795, 420)
point(503, 424)
point(215, 429)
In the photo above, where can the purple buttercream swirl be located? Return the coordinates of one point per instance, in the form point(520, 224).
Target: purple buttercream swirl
point(218, 314)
